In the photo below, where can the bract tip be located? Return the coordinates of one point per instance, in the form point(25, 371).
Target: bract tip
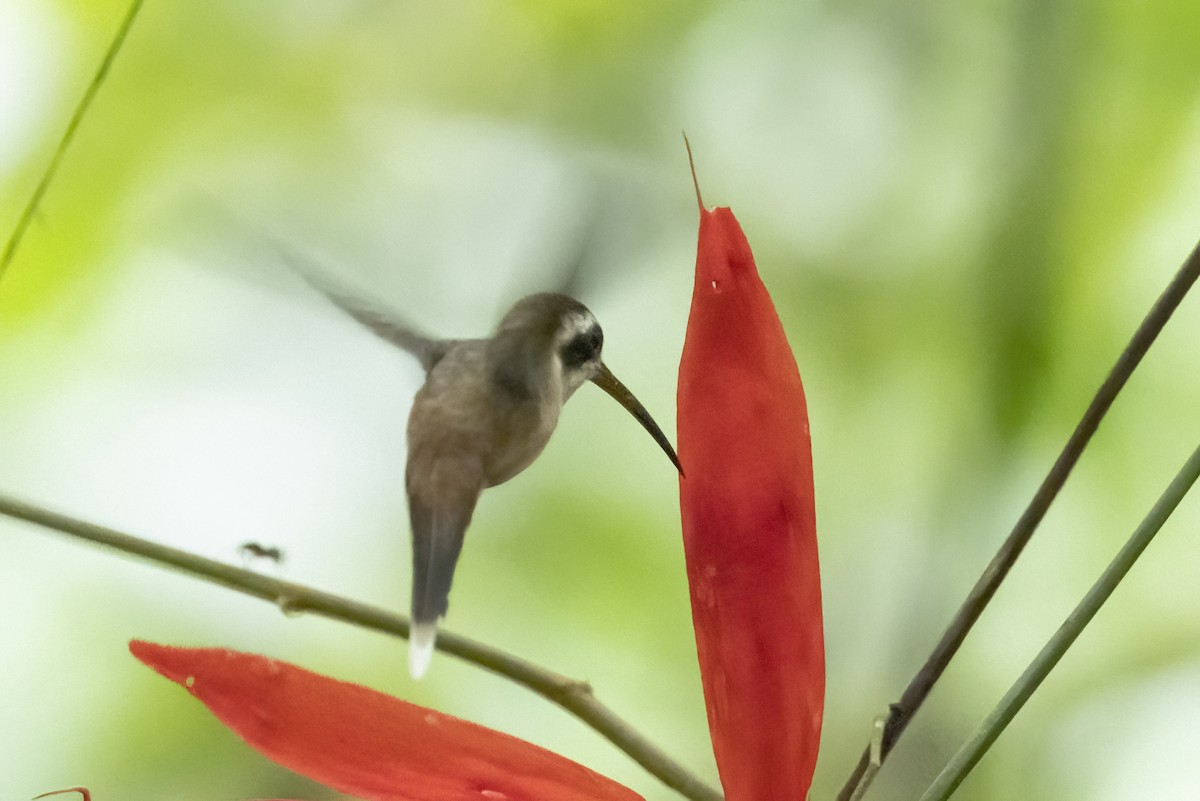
point(692, 165)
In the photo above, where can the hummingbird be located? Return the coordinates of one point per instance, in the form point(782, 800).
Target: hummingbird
point(485, 412)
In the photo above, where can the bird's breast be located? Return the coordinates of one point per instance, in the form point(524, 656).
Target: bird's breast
point(520, 432)
point(459, 416)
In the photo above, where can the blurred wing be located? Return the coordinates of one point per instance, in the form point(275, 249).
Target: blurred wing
point(599, 229)
point(384, 324)
point(387, 325)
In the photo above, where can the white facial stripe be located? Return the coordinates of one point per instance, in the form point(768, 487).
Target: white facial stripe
point(575, 324)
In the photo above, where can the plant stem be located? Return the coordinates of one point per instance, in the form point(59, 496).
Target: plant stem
point(985, 587)
point(974, 749)
point(574, 696)
point(85, 102)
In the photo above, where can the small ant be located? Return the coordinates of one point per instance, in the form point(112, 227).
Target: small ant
point(253, 550)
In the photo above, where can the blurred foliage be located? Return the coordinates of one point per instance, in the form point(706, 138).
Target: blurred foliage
point(961, 210)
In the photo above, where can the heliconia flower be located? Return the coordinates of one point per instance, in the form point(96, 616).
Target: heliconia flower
point(367, 744)
point(749, 530)
point(749, 525)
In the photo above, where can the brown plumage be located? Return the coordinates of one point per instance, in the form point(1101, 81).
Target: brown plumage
point(486, 410)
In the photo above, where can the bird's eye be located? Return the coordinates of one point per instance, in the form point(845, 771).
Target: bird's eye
point(582, 348)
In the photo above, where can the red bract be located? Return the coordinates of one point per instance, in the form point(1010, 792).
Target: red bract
point(749, 525)
point(367, 744)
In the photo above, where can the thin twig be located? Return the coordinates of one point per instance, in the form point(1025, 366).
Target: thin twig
point(574, 696)
point(973, 750)
point(85, 102)
point(875, 749)
point(985, 588)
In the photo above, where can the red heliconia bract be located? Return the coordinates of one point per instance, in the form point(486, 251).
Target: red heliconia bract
point(749, 526)
point(367, 744)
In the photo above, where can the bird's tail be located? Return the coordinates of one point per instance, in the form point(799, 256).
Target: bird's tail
point(421, 638)
point(437, 542)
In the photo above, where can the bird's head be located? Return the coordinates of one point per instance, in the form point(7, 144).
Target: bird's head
point(559, 329)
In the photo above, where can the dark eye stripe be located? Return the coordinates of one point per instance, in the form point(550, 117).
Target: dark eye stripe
point(582, 348)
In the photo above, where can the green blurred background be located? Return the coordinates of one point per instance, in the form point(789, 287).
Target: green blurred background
point(962, 211)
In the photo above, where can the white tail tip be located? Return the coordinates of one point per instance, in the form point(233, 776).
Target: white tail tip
point(420, 648)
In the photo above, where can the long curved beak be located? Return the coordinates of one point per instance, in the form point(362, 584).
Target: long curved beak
point(609, 383)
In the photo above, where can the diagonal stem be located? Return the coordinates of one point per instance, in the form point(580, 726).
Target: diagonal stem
point(985, 588)
point(973, 750)
point(114, 47)
point(574, 696)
